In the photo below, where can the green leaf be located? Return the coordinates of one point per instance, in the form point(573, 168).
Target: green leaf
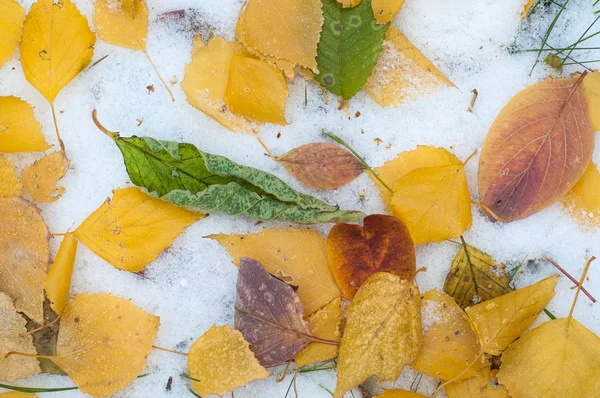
point(349, 46)
point(185, 176)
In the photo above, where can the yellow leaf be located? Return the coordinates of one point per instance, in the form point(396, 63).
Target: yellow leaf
point(41, 177)
point(403, 73)
point(284, 29)
point(11, 25)
point(296, 256)
point(478, 386)
point(57, 44)
point(449, 342)
point(583, 200)
point(382, 333)
point(591, 87)
point(221, 360)
point(400, 394)
point(17, 394)
point(133, 229)
point(58, 280)
point(122, 23)
point(103, 342)
point(500, 321)
point(325, 324)
point(10, 185)
point(24, 255)
point(349, 3)
point(386, 10)
point(19, 130)
point(14, 337)
point(527, 8)
point(256, 90)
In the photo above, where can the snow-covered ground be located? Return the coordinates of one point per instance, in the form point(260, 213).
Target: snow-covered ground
point(191, 286)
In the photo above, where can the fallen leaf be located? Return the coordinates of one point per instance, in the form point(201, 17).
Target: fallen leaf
point(382, 333)
point(296, 256)
point(19, 130)
point(501, 320)
point(122, 23)
point(269, 315)
point(325, 324)
point(591, 87)
point(24, 255)
point(475, 278)
point(321, 165)
point(45, 334)
point(477, 386)
point(386, 10)
point(402, 73)
point(58, 280)
point(133, 228)
point(103, 342)
point(583, 201)
point(348, 49)
point(554, 61)
point(17, 394)
point(284, 29)
point(14, 337)
point(382, 245)
point(221, 360)
point(400, 394)
point(527, 8)
point(10, 185)
point(41, 177)
point(10, 28)
point(521, 171)
point(449, 342)
point(349, 3)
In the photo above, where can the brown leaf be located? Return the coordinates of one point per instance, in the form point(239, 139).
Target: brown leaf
point(538, 147)
point(321, 165)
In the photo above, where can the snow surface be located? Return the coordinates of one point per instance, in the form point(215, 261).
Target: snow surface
point(191, 286)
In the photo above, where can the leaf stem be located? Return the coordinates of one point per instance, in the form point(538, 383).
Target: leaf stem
point(171, 351)
point(269, 153)
point(60, 141)
point(109, 133)
point(579, 287)
point(565, 273)
point(158, 74)
point(282, 377)
point(43, 326)
point(484, 207)
point(464, 245)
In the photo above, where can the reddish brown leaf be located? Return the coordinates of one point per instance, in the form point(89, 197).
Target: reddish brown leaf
point(321, 165)
point(355, 252)
point(538, 147)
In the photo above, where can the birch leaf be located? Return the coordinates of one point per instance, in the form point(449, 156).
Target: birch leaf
point(103, 342)
point(400, 394)
point(122, 23)
point(477, 386)
point(295, 256)
point(501, 320)
point(14, 337)
point(58, 280)
point(583, 201)
point(591, 87)
point(382, 333)
point(324, 323)
point(24, 255)
point(41, 177)
point(527, 8)
point(19, 129)
point(11, 26)
point(386, 10)
point(10, 185)
point(133, 228)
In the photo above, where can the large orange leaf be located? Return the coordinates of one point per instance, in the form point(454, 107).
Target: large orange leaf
point(538, 147)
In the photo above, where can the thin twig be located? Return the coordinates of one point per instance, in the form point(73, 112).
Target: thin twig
point(580, 285)
point(97, 62)
point(43, 326)
point(171, 351)
point(159, 76)
point(473, 99)
point(561, 269)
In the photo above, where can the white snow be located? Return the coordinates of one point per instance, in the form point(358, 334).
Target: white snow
point(191, 286)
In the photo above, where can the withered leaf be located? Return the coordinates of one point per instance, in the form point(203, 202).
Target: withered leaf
point(41, 177)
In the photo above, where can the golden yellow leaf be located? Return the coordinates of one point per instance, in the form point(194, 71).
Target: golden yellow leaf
point(325, 324)
point(103, 342)
point(24, 255)
point(591, 88)
point(17, 394)
point(449, 342)
point(349, 3)
point(41, 177)
point(222, 360)
point(477, 386)
point(122, 23)
point(296, 256)
point(400, 394)
point(10, 185)
point(19, 130)
point(284, 29)
point(11, 25)
point(382, 333)
point(133, 228)
point(500, 321)
point(385, 10)
point(14, 337)
point(58, 280)
point(527, 8)
point(403, 73)
point(583, 200)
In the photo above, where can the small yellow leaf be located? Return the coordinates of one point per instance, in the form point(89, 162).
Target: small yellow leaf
point(583, 200)
point(17, 394)
point(527, 8)
point(386, 10)
point(324, 323)
point(403, 73)
point(591, 87)
point(256, 90)
point(122, 23)
point(11, 25)
point(103, 342)
point(221, 360)
point(400, 394)
point(14, 337)
point(296, 256)
point(349, 3)
point(19, 130)
point(382, 333)
point(500, 321)
point(58, 280)
point(133, 228)
point(477, 386)
point(449, 342)
point(10, 185)
point(41, 177)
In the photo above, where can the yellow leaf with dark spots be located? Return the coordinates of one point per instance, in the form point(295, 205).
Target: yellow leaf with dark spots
point(349, 3)
point(385, 10)
point(41, 177)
